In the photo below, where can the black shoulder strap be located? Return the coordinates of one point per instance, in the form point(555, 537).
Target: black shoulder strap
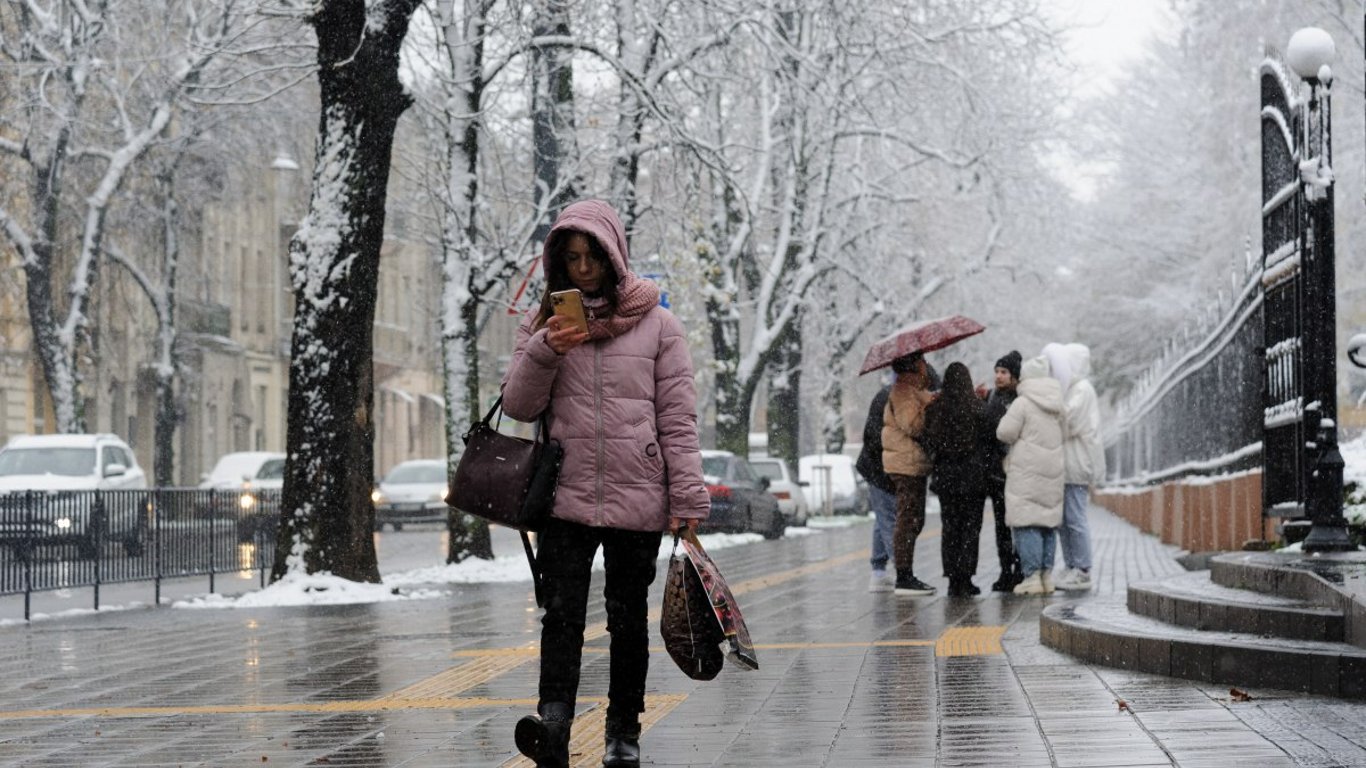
point(535, 569)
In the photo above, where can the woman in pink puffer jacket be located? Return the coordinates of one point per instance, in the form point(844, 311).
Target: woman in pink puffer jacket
point(622, 403)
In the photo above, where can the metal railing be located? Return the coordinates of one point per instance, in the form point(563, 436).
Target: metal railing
point(66, 539)
point(1198, 410)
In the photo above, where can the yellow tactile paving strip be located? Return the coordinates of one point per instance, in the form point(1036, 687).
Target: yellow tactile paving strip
point(442, 691)
point(590, 729)
point(970, 641)
point(476, 671)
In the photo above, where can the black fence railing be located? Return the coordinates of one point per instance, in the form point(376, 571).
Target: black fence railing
point(1198, 410)
point(66, 539)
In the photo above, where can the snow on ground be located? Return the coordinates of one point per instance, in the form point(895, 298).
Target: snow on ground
point(326, 589)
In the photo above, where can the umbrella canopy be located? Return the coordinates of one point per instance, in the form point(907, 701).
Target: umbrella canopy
point(922, 336)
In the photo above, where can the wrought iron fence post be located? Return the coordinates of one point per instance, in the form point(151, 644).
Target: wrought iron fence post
point(97, 523)
point(29, 546)
point(156, 546)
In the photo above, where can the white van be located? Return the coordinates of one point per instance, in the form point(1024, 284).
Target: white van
point(833, 486)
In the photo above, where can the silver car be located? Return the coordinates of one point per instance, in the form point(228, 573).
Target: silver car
point(413, 492)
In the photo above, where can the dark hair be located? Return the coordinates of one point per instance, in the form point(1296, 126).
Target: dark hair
point(557, 271)
point(906, 363)
point(957, 383)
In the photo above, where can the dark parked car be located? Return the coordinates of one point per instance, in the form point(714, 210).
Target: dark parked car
point(740, 501)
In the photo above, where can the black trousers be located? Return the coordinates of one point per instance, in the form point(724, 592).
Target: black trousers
point(961, 518)
point(1005, 545)
point(565, 555)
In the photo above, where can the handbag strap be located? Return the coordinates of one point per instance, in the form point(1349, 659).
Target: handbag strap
point(535, 569)
point(542, 423)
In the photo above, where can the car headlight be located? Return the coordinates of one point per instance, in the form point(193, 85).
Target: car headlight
point(376, 496)
point(63, 523)
point(247, 501)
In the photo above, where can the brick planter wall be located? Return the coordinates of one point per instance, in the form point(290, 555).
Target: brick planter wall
point(1198, 514)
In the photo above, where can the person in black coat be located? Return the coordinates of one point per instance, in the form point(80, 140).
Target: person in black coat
point(998, 402)
point(960, 448)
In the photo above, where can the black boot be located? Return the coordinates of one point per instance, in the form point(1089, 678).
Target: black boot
point(544, 736)
point(623, 744)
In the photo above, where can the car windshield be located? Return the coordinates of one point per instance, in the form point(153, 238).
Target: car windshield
point(235, 467)
point(272, 470)
point(769, 469)
point(417, 473)
point(714, 466)
point(70, 462)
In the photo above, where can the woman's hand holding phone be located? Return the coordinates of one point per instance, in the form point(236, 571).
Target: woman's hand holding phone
point(562, 335)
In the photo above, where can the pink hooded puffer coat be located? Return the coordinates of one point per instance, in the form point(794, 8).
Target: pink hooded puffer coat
point(622, 404)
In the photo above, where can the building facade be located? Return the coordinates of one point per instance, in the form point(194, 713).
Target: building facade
point(234, 314)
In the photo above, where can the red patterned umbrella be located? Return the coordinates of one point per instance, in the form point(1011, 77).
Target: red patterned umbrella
point(922, 336)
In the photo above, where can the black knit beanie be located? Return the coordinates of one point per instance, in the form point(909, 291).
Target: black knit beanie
point(1011, 362)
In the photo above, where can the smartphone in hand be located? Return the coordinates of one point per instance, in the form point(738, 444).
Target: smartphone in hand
point(569, 304)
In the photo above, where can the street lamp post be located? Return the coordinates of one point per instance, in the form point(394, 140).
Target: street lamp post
point(1309, 54)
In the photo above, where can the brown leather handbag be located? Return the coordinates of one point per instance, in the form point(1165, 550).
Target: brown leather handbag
point(504, 479)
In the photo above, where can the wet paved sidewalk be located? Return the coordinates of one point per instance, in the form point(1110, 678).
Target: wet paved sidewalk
point(847, 679)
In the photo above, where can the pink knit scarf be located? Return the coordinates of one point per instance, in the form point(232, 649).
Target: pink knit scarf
point(635, 297)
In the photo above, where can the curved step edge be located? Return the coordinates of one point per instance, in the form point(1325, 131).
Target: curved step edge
point(1247, 661)
point(1173, 601)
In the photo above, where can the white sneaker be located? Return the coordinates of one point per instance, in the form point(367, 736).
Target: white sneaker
point(1046, 580)
point(1065, 578)
point(1032, 585)
point(881, 581)
point(1080, 581)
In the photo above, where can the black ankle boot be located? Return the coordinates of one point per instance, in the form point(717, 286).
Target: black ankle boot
point(623, 746)
point(544, 736)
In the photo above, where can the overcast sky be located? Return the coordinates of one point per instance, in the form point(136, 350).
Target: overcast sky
point(1103, 34)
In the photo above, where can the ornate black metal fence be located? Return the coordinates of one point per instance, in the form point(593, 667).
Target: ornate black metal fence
point(60, 540)
point(1197, 410)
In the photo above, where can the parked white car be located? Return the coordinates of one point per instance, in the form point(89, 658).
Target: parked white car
point(785, 487)
point(248, 473)
point(413, 492)
point(833, 485)
point(67, 470)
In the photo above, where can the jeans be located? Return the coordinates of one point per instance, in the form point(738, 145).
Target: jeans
point(884, 522)
point(1075, 534)
point(1035, 545)
point(565, 555)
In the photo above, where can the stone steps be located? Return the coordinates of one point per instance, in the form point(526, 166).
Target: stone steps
point(1101, 630)
point(1192, 600)
point(1254, 620)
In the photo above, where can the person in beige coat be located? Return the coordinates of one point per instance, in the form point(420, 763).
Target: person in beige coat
point(907, 464)
point(1033, 428)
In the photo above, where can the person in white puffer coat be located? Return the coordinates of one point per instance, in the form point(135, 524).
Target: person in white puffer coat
point(1084, 459)
point(1033, 428)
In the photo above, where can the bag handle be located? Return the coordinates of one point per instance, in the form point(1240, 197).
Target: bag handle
point(542, 424)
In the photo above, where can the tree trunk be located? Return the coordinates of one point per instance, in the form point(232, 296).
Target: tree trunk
point(163, 431)
point(327, 519)
point(468, 536)
point(784, 394)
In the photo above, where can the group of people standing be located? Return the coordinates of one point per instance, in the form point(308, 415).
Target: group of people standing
point(1031, 445)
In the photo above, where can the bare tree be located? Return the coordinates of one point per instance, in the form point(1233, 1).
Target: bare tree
point(87, 113)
